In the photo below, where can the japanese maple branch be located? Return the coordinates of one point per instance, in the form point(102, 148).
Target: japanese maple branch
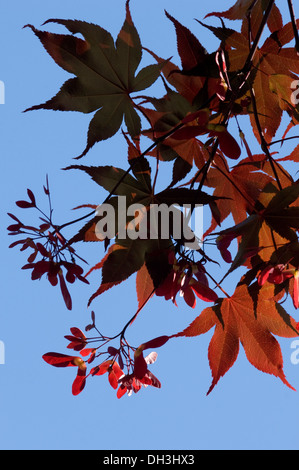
point(121, 179)
point(245, 71)
point(123, 331)
point(248, 63)
point(248, 16)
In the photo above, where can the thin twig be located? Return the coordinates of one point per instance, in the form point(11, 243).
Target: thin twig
point(295, 30)
point(264, 145)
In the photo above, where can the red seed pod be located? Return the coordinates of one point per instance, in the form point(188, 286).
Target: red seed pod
point(77, 332)
point(112, 351)
point(42, 250)
point(31, 197)
point(14, 227)
point(140, 366)
point(24, 204)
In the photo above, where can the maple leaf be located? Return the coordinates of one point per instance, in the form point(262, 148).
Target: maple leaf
point(62, 360)
point(105, 75)
point(135, 190)
point(273, 225)
point(242, 318)
point(174, 113)
point(190, 49)
point(127, 257)
point(198, 81)
point(117, 181)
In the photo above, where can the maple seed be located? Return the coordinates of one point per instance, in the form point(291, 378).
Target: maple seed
point(254, 204)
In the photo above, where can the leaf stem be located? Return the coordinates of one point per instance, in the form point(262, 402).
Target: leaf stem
point(218, 285)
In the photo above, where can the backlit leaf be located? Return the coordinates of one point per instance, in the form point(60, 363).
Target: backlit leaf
point(105, 75)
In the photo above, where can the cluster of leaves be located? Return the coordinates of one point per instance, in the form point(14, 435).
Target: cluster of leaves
point(190, 126)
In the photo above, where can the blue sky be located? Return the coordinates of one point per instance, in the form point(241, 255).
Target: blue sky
point(246, 410)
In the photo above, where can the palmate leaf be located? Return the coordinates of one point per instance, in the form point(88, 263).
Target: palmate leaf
point(105, 75)
point(137, 195)
point(127, 257)
point(189, 48)
point(117, 181)
point(253, 323)
point(241, 185)
point(273, 225)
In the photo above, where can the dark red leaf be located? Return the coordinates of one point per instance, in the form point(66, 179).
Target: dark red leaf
point(31, 196)
point(189, 48)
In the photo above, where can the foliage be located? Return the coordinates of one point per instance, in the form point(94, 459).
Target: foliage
point(190, 126)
